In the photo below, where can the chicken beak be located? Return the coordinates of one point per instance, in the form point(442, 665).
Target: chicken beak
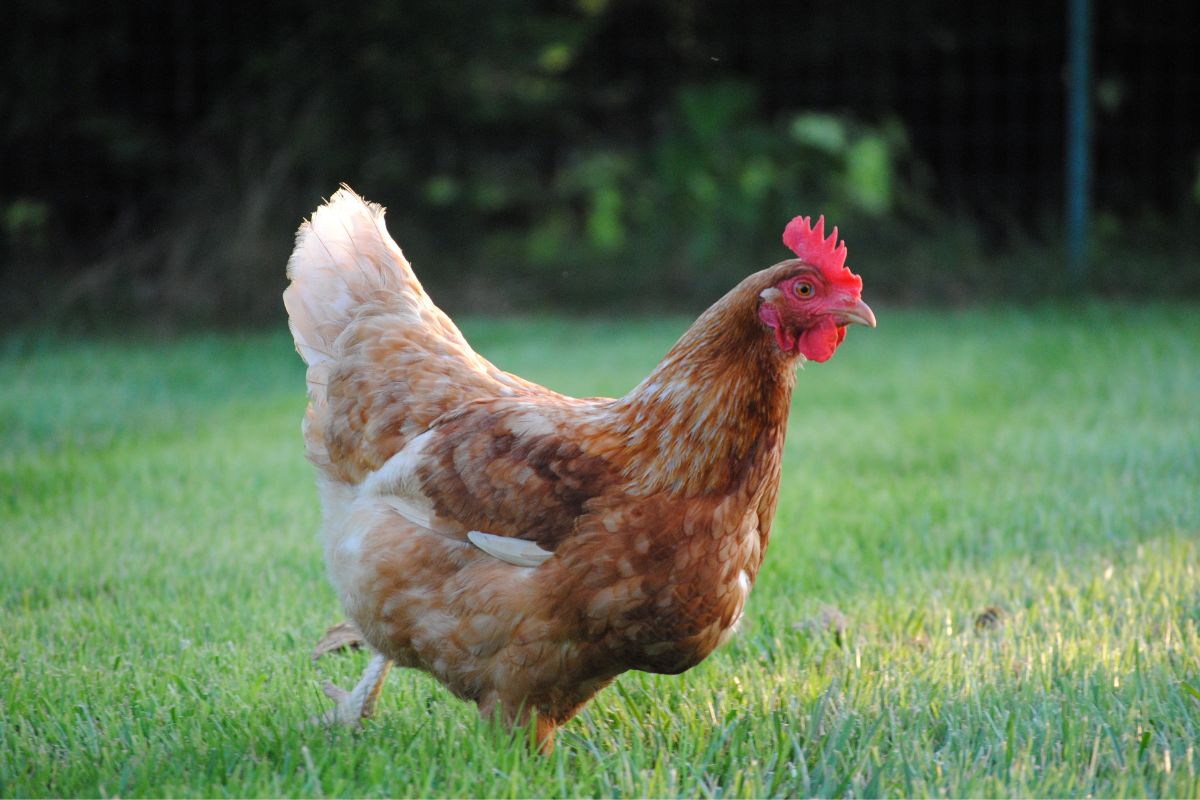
point(855, 312)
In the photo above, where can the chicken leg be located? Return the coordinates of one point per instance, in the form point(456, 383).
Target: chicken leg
point(359, 703)
point(516, 717)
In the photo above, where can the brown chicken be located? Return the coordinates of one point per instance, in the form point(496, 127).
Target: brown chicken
point(524, 547)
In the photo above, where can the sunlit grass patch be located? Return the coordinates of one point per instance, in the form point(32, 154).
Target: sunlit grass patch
point(983, 578)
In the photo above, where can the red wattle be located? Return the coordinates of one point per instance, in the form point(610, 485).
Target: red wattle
point(819, 342)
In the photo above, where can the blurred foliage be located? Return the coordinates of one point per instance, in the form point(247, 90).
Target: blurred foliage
point(692, 209)
point(588, 155)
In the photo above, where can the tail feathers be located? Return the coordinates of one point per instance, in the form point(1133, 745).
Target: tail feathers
point(344, 257)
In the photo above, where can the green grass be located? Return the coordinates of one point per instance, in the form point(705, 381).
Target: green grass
point(161, 583)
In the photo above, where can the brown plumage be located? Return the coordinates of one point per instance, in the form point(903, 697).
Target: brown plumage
point(619, 533)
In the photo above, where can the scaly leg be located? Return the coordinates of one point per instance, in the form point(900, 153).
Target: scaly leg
point(359, 703)
point(545, 735)
point(544, 727)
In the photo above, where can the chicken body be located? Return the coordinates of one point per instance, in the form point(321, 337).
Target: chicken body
point(633, 528)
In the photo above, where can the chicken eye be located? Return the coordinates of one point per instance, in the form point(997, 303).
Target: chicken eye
point(803, 289)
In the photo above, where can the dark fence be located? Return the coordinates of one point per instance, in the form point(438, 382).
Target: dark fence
point(117, 119)
point(981, 87)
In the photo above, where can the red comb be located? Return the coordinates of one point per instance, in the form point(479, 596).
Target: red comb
point(810, 244)
point(827, 255)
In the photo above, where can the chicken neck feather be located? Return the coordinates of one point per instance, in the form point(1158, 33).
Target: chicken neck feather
point(702, 419)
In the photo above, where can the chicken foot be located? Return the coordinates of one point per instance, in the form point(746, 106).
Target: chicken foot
point(359, 703)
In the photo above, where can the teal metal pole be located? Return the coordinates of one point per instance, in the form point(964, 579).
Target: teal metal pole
point(1079, 146)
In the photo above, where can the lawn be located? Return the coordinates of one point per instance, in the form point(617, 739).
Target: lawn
point(984, 577)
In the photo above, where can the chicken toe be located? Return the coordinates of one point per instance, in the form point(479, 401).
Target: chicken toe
point(351, 707)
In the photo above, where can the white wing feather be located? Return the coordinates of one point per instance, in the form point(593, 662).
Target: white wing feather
point(514, 551)
point(396, 483)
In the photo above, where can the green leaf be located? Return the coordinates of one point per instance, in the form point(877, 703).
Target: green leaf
point(824, 132)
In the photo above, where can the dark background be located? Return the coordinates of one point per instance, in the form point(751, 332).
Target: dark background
point(157, 156)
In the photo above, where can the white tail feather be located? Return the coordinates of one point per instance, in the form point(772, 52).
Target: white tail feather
point(343, 258)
